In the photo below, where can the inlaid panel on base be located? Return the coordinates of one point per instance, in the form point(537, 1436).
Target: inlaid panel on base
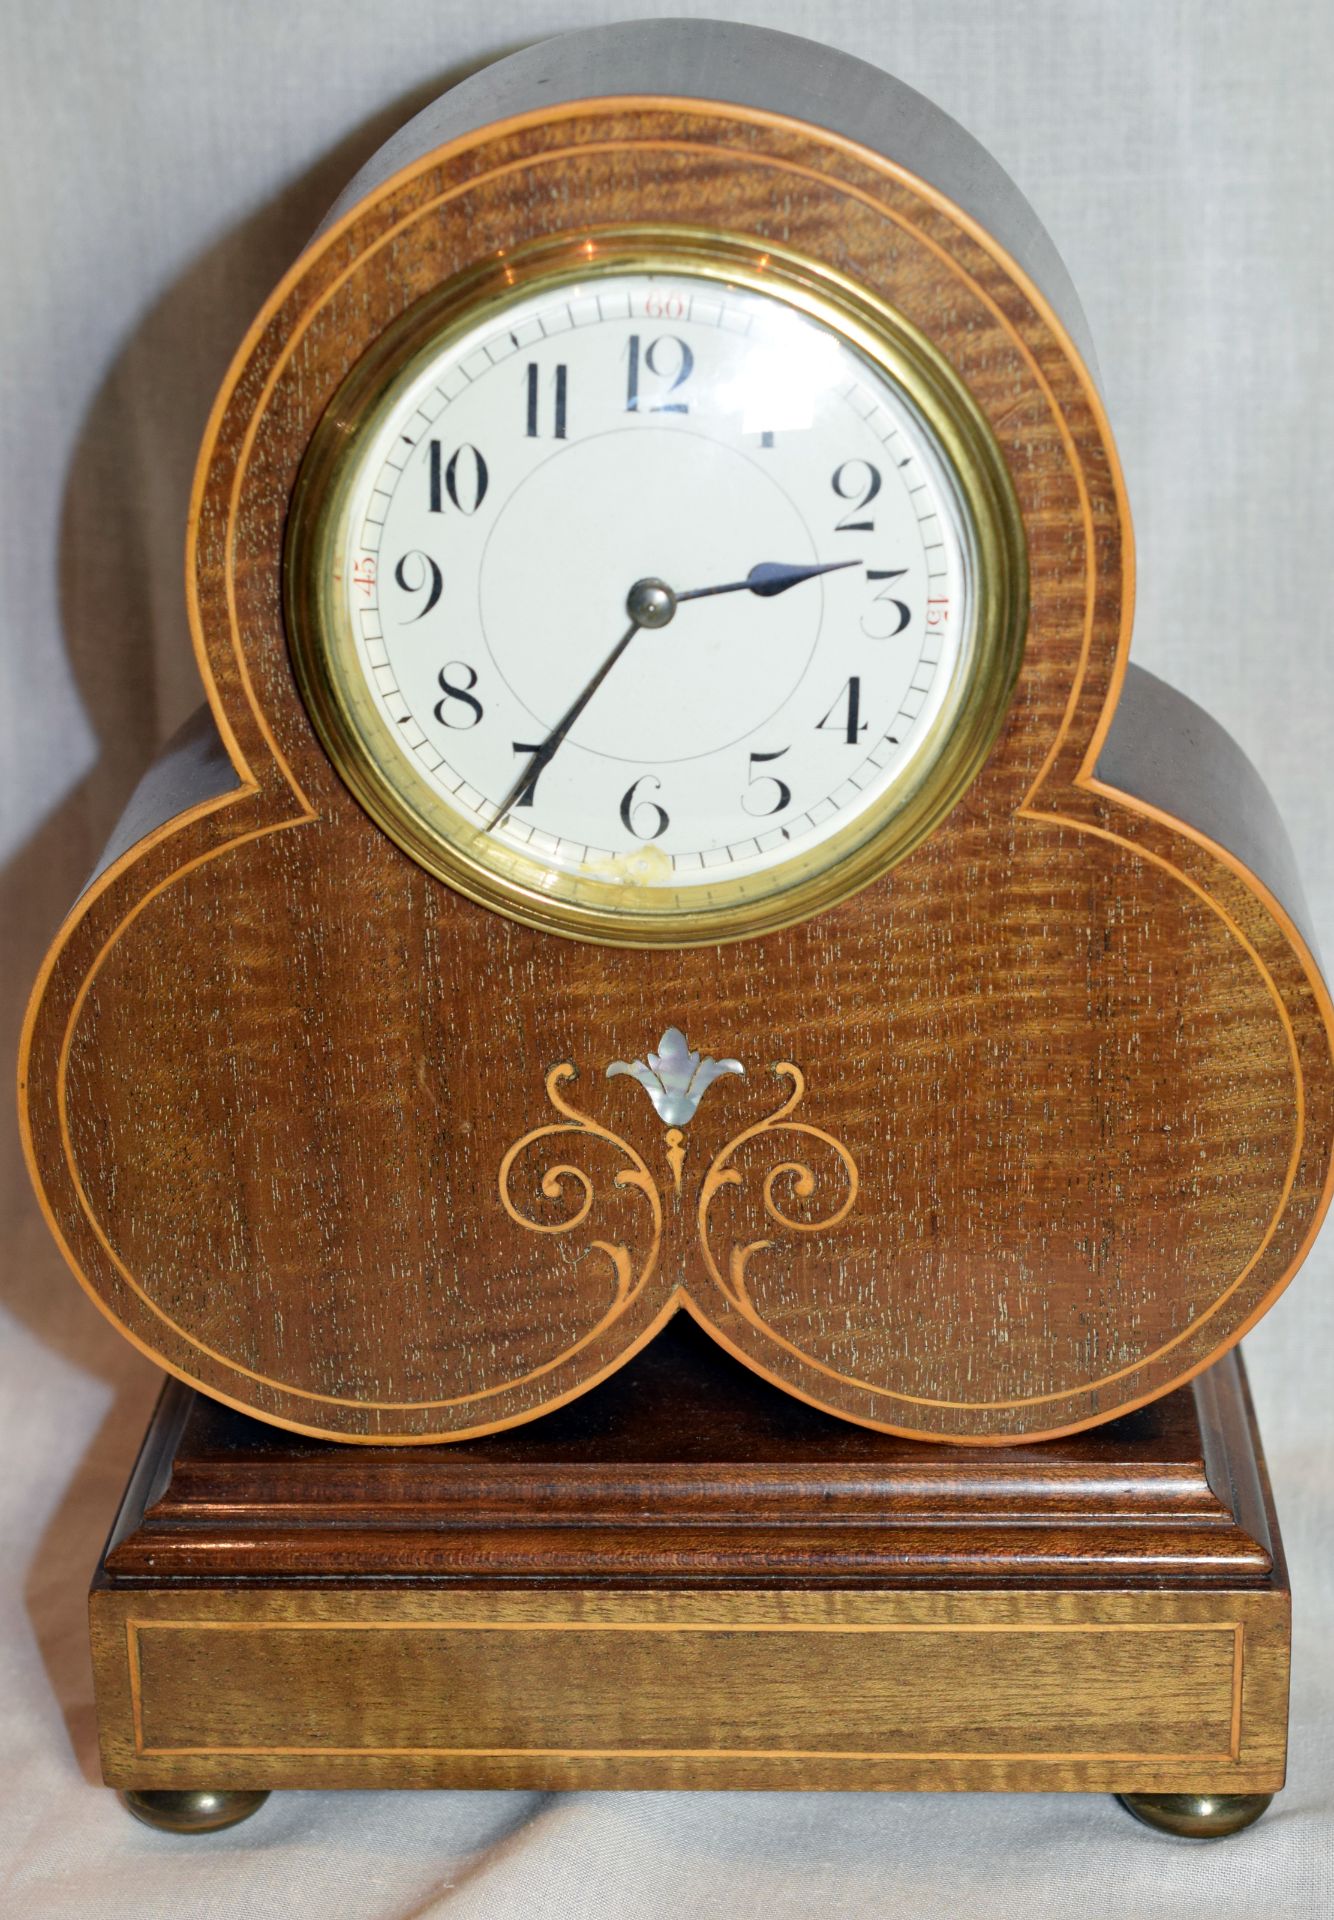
point(688, 1580)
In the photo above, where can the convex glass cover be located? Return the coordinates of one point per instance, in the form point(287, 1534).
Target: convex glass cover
point(655, 594)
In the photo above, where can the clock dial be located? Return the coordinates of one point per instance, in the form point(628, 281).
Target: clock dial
point(645, 596)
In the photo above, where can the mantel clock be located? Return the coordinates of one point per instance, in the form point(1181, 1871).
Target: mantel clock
point(674, 828)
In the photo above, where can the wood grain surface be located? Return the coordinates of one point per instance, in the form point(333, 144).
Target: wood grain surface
point(1076, 1052)
point(622, 1595)
point(684, 1469)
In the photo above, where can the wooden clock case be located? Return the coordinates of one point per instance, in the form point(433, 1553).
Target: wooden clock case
point(295, 1107)
point(1032, 1128)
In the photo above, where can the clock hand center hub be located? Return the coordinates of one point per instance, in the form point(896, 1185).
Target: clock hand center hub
point(593, 523)
point(650, 603)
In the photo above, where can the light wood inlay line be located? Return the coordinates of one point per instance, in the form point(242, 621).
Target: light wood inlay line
point(1194, 1758)
point(270, 1629)
point(678, 1626)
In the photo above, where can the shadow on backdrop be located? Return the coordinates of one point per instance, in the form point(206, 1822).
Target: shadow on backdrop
point(122, 606)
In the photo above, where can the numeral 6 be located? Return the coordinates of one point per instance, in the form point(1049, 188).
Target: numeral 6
point(630, 807)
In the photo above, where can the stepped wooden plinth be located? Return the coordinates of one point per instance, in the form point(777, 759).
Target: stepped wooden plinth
point(687, 1579)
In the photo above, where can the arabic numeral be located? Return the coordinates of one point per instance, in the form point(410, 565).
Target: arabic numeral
point(528, 793)
point(428, 580)
point(845, 715)
point(461, 697)
point(633, 810)
point(463, 480)
point(560, 388)
point(859, 482)
point(896, 610)
point(782, 798)
point(677, 364)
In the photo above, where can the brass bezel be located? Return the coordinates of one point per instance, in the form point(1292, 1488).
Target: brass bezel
point(370, 760)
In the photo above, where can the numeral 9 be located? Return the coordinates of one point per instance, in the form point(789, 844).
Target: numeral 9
point(429, 577)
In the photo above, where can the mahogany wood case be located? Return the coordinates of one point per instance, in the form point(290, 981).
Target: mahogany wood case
point(1032, 1127)
point(685, 1579)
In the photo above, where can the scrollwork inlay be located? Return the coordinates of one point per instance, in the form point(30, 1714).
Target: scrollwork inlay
point(675, 1078)
point(805, 1185)
point(553, 1185)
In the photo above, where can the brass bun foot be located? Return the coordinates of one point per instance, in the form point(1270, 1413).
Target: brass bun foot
point(1196, 1816)
point(196, 1811)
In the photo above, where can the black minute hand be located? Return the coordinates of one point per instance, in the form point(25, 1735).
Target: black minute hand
point(768, 578)
point(547, 750)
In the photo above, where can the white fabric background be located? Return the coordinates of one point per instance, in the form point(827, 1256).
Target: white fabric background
point(161, 163)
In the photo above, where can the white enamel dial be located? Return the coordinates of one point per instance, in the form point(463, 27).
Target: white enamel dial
point(521, 486)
